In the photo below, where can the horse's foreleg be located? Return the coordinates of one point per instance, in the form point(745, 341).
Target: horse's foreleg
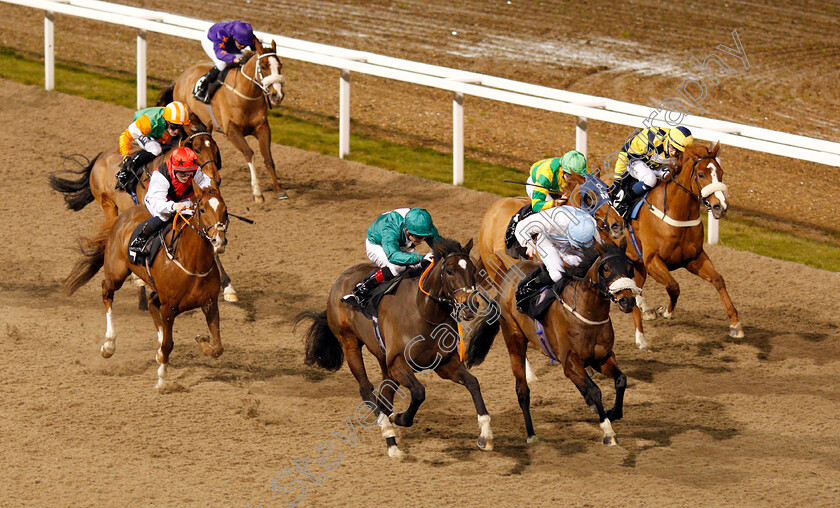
point(455, 371)
point(643, 311)
point(404, 375)
point(574, 369)
point(703, 268)
point(234, 134)
point(227, 289)
point(517, 346)
point(110, 345)
point(609, 368)
point(263, 134)
point(657, 269)
point(214, 347)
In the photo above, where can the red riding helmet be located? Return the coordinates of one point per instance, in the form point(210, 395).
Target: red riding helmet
point(183, 159)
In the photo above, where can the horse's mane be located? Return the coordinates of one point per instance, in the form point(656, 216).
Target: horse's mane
point(696, 149)
point(589, 257)
point(442, 247)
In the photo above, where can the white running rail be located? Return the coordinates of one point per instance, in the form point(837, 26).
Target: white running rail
point(460, 83)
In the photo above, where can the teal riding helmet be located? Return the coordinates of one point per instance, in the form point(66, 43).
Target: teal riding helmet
point(418, 222)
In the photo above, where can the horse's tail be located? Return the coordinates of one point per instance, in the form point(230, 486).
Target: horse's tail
point(484, 335)
point(166, 95)
point(93, 257)
point(322, 347)
point(77, 193)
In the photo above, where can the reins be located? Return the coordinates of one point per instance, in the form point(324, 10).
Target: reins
point(448, 301)
point(202, 233)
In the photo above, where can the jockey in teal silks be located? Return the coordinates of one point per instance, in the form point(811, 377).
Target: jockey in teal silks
point(390, 244)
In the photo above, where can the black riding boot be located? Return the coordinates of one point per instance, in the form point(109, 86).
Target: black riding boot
point(530, 286)
point(128, 176)
point(361, 293)
point(150, 227)
point(202, 86)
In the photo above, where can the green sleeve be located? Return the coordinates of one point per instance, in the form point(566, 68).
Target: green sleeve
point(390, 237)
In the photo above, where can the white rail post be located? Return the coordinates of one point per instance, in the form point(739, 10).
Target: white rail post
point(580, 135)
point(458, 139)
point(49, 50)
point(344, 114)
point(141, 69)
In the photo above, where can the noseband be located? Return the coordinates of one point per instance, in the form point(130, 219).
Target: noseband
point(603, 285)
point(258, 79)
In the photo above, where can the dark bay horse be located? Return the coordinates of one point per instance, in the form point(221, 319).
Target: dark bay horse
point(670, 235)
point(419, 328)
point(240, 108)
point(579, 332)
point(182, 280)
point(97, 181)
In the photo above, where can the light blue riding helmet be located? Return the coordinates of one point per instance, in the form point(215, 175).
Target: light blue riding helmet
point(581, 230)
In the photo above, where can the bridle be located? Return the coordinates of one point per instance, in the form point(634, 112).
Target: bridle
point(706, 191)
point(262, 82)
point(204, 232)
point(606, 286)
point(449, 298)
point(212, 160)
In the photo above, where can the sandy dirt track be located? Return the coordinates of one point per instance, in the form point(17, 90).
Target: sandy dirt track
point(708, 420)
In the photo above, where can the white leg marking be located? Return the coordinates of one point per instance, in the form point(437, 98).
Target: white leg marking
point(486, 435)
point(609, 433)
point(255, 183)
point(641, 303)
point(530, 375)
point(110, 345)
point(641, 341)
point(160, 335)
point(386, 426)
point(230, 294)
point(162, 376)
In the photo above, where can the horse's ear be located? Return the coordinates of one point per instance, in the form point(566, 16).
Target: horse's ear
point(196, 125)
point(600, 248)
point(273, 46)
point(715, 149)
point(468, 246)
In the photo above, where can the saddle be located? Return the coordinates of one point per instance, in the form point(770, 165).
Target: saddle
point(512, 247)
point(537, 304)
point(152, 246)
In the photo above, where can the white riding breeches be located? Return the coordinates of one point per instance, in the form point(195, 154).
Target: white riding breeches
point(377, 254)
point(554, 255)
point(644, 173)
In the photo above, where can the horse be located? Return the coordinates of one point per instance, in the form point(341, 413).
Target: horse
point(579, 335)
point(668, 233)
point(181, 280)
point(240, 108)
point(97, 181)
point(418, 323)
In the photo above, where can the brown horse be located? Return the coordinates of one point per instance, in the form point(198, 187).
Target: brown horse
point(97, 181)
point(669, 233)
point(579, 332)
point(240, 108)
point(419, 328)
point(182, 280)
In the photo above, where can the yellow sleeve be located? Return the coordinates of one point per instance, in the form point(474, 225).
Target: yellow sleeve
point(638, 148)
point(125, 143)
point(141, 127)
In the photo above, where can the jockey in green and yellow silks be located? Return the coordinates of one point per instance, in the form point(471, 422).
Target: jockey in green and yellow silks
point(646, 158)
point(548, 179)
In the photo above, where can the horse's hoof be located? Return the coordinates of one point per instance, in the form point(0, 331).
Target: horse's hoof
point(258, 199)
point(399, 419)
point(649, 315)
point(663, 311)
point(282, 195)
point(107, 352)
point(485, 444)
point(737, 331)
point(395, 453)
point(642, 342)
point(230, 295)
point(532, 439)
point(610, 441)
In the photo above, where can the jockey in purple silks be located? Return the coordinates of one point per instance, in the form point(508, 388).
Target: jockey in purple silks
point(224, 44)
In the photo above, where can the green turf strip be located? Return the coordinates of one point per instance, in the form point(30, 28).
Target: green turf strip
point(120, 88)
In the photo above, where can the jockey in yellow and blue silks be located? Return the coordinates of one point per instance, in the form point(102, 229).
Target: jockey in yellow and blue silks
point(647, 157)
point(547, 179)
point(390, 244)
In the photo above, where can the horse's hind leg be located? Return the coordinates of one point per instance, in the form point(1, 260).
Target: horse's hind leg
point(455, 371)
point(657, 269)
point(517, 346)
point(167, 316)
point(227, 289)
point(263, 134)
point(576, 372)
point(609, 368)
point(214, 348)
point(703, 268)
point(234, 134)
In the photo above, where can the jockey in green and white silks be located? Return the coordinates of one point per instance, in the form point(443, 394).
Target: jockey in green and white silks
point(647, 157)
point(562, 235)
point(390, 244)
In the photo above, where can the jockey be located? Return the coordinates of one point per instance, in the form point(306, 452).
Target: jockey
point(390, 244)
point(151, 128)
point(647, 157)
point(223, 44)
point(170, 190)
point(548, 175)
point(563, 233)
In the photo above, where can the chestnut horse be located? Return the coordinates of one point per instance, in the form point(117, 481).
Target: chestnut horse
point(419, 328)
point(669, 233)
point(97, 181)
point(578, 330)
point(182, 280)
point(240, 108)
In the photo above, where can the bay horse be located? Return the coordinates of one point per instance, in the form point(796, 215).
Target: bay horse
point(182, 280)
point(420, 332)
point(579, 332)
point(240, 107)
point(669, 233)
point(97, 182)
